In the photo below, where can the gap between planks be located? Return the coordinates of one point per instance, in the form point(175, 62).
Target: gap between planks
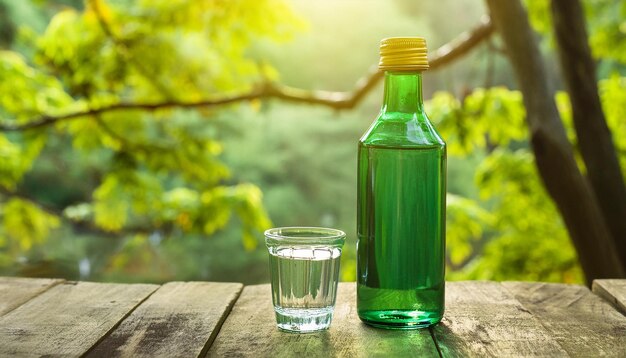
point(68, 319)
point(16, 291)
point(250, 331)
point(180, 319)
point(612, 290)
point(104, 336)
point(432, 335)
point(531, 298)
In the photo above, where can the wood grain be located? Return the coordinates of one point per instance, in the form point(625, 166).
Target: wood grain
point(179, 320)
point(250, 331)
point(581, 322)
point(613, 291)
point(483, 319)
point(14, 291)
point(68, 319)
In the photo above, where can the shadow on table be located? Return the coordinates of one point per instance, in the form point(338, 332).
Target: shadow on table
point(451, 345)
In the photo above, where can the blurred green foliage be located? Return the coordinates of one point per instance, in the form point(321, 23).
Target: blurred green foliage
point(511, 225)
point(157, 172)
point(139, 195)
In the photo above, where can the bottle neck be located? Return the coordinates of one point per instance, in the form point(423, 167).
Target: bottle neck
point(403, 92)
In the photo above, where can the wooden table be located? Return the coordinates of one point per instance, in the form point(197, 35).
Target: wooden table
point(61, 318)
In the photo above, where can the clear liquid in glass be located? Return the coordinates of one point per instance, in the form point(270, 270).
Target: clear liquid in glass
point(304, 286)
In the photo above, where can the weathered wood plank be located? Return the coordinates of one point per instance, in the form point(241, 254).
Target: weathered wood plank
point(68, 319)
point(612, 290)
point(179, 320)
point(581, 322)
point(14, 291)
point(250, 330)
point(484, 319)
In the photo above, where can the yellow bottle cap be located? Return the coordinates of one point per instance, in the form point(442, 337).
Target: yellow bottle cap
point(403, 54)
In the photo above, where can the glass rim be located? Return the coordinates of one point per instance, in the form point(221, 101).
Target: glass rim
point(312, 235)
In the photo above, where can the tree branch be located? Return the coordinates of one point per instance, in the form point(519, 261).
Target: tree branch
point(123, 50)
point(337, 100)
point(131, 144)
point(81, 225)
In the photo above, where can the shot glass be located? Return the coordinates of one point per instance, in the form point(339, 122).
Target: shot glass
point(304, 269)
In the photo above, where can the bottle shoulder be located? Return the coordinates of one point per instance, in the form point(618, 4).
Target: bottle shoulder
point(402, 130)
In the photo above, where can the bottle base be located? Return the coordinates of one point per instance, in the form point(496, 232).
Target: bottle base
point(400, 319)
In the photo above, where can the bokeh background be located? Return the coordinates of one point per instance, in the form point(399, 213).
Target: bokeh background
point(173, 186)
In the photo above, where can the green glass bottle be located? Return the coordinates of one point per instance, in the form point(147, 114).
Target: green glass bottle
point(401, 201)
